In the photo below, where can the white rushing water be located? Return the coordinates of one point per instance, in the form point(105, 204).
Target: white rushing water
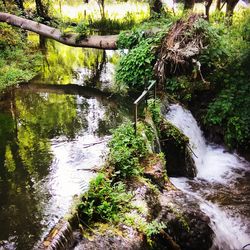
point(74, 160)
point(218, 170)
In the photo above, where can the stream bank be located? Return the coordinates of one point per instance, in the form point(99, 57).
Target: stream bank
point(156, 216)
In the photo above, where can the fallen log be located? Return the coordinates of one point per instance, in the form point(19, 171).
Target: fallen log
point(99, 42)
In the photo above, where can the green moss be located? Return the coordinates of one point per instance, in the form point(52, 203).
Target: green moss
point(170, 132)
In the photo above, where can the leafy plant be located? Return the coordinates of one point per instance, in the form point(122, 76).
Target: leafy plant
point(148, 228)
point(126, 150)
point(128, 40)
point(137, 66)
point(103, 201)
point(83, 30)
point(181, 88)
point(17, 62)
point(154, 107)
point(229, 110)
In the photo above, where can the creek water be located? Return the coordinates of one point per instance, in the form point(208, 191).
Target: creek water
point(47, 129)
point(222, 185)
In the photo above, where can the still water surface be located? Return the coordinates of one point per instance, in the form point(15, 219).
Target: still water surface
point(46, 128)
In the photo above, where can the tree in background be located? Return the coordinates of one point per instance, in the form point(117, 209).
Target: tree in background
point(42, 9)
point(19, 4)
point(189, 4)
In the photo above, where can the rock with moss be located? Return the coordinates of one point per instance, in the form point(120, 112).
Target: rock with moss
point(155, 169)
point(126, 238)
point(175, 146)
point(185, 222)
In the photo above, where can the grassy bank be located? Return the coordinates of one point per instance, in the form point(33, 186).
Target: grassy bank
point(19, 60)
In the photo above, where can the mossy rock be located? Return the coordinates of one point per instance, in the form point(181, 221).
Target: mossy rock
point(175, 147)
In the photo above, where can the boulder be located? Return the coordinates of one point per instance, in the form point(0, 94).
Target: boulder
point(175, 146)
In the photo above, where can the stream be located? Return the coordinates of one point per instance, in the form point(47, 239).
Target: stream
point(48, 135)
point(222, 185)
point(54, 133)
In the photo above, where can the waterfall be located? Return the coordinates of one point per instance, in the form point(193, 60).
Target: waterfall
point(218, 174)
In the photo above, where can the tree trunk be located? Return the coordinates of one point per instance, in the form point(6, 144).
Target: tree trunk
point(218, 4)
point(19, 4)
point(42, 10)
point(230, 9)
point(156, 7)
point(207, 8)
point(99, 42)
point(102, 8)
point(189, 4)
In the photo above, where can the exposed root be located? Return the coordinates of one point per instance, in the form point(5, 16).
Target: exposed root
point(182, 43)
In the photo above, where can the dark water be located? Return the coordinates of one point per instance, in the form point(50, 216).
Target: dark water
point(46, 132)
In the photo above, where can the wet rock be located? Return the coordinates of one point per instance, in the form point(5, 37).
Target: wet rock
point(146, 196)
point(109, 240)
point(175, 146)
point(186, 223)
point(155, 170)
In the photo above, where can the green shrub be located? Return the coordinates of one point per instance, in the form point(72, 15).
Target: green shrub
point(103, 201)
point(128, 40)
point(126, 150)
point(83, 30)
point(230, 108)
point(154, 107)
point(17, 62)
point(137, 66)
point(8, 36)
point(181, 88)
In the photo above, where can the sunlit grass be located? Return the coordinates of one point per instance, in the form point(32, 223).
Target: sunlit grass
point(90, 10)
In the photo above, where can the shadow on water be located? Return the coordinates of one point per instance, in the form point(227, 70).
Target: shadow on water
point(44, 126)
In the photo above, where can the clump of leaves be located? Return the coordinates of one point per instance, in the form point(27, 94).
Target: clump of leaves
point(126, 151)
point(128, 40)
point(8, 36)
point(17, 62)
point(83, 30)
point(229, 110)
point(149, 229)
point(154, 107)
point(181, 88)
point(137, 66)
point(103, 202)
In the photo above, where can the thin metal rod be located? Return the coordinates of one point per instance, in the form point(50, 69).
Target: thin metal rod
point(135, 118)
point(137, 101)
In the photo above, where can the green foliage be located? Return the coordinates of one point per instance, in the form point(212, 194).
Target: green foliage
point(17, 62)
point(8, 36)
point(107, 25)
point(181, 88)
point(137, 66)
point(154, 107)
point(230, 108)
point(83, 30)
point(126, 150)
point(104, 201)
point(149, 229)
point(128, 40)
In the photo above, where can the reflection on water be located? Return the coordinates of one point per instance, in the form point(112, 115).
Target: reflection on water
point(64, 65)
point(44, 130)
